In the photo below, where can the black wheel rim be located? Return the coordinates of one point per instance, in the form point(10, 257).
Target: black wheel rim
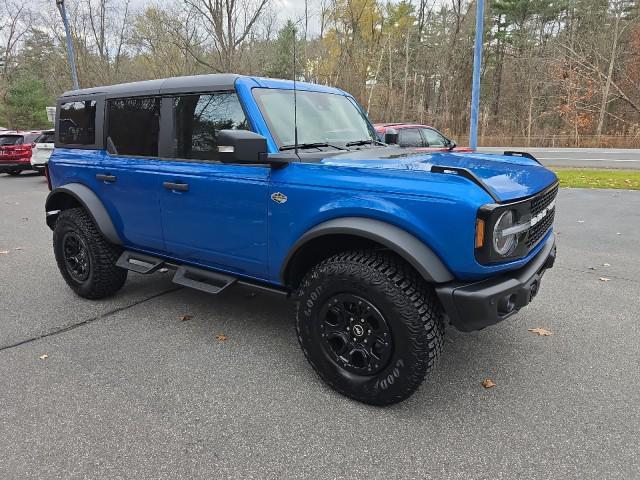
point(76, 256)
point(354, 334)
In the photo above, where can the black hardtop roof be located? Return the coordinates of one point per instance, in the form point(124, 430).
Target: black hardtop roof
point(193, 83)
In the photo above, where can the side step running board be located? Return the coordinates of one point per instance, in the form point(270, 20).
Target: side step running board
point(188, 276)
point(210, 282)
point(138, 262)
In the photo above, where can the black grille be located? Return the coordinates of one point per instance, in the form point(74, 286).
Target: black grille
point(539, 229)
point(543, 200)
point(538, 204)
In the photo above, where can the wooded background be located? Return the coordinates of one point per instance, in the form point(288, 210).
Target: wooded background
point(555, 72)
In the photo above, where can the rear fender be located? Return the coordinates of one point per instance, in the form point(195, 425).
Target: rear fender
point(75, 194)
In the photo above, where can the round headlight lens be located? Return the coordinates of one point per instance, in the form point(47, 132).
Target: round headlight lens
point(504, 245)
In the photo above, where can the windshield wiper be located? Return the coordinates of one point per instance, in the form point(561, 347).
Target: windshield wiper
point(310, 145)
point(363, 142)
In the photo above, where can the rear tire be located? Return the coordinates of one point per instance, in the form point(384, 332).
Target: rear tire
point(14, 173)
point(85, 258)
point(369, 325)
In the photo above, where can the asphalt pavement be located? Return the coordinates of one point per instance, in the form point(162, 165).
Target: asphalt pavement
point(620, 158)
point(128, 390)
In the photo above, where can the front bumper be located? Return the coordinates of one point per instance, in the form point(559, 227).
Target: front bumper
point(474, 306)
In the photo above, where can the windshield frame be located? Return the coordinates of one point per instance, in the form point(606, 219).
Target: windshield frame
point(255, 92)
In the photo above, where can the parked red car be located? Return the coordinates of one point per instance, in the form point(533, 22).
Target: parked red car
point(15, 151)
point(418, 137)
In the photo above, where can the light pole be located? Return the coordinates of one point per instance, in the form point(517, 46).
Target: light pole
point(475, 89)
point(67, 31)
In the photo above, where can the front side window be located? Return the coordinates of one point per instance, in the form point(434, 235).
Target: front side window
point(433, 138)
point(77, 123)
point(133, 126)
point(199, 118)
point(321, 117)
point(409, 137)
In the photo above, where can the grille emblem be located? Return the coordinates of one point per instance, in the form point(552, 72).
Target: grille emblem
point(278, 197)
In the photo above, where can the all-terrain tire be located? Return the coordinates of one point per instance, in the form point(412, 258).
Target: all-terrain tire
point(408, 306)
point(103, 278)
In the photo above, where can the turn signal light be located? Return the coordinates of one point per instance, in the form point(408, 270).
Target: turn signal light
point(479, 233)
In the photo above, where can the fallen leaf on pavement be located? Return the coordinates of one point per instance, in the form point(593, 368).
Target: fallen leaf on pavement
point(543, 332)
point(592, 268)
point(221, 337)
point(606, 265)
point(604, 279)
point(18, 248)
point(184, 318)
point(488, 383)
point(43, 357)
point(580, 221)
point(4, 252)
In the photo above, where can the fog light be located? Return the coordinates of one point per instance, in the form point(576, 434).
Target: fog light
point(507, 304)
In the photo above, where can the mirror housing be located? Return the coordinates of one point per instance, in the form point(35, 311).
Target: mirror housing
point(241, 146)
point(391, 136)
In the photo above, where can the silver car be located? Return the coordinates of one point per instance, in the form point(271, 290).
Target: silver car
point(43, 147)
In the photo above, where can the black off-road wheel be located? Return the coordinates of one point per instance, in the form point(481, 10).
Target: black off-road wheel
point(369, 325)
point(85, 258)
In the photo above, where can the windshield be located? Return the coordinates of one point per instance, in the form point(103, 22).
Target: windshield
point(322, 117)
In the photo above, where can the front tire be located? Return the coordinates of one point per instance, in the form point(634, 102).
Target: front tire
point(369, 325)
point(85, 258)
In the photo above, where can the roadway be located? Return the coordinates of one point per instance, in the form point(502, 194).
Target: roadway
point(619, 158)
point(128, 390)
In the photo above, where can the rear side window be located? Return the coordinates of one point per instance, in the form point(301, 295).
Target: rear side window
point(133, 125)
point(199, 118)
point(45, 138)
point(409, 137)
point(77, 123)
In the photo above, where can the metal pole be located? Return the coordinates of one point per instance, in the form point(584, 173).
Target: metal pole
point(475, 89)
point(67, 31)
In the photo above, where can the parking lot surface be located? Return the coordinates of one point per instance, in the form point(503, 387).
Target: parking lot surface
point(129, 390)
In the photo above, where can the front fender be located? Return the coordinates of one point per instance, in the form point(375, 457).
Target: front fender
point(414, 251)
point(71, 194)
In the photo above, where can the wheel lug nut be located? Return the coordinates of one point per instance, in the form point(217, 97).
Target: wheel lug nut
point(348, 328)
point(369, 331)
point(365, 340)
point(362, 320)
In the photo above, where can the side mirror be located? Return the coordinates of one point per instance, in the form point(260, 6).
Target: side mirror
point(241, 146)
point(391, 136)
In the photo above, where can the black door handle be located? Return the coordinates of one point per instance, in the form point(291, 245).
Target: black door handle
point(105, 177)
point(179, 187)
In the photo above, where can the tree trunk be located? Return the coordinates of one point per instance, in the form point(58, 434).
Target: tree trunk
point(607, 85)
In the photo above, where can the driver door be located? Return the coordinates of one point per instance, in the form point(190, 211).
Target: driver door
point(213, 214)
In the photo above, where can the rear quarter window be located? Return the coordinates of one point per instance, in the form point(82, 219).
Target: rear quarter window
point(77, 123)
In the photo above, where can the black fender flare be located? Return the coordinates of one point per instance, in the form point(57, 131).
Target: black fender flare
point(58, 199)
point(403, 243)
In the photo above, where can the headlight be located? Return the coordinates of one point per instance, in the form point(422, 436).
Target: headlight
point(504, 244)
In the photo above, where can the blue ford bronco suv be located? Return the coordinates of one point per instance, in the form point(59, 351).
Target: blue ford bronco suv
point(230, 179)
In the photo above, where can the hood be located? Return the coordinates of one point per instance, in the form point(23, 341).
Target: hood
point(509, 177)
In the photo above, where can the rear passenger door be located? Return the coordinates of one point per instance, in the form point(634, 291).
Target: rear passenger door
point(129, 182)
point(213, 214)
